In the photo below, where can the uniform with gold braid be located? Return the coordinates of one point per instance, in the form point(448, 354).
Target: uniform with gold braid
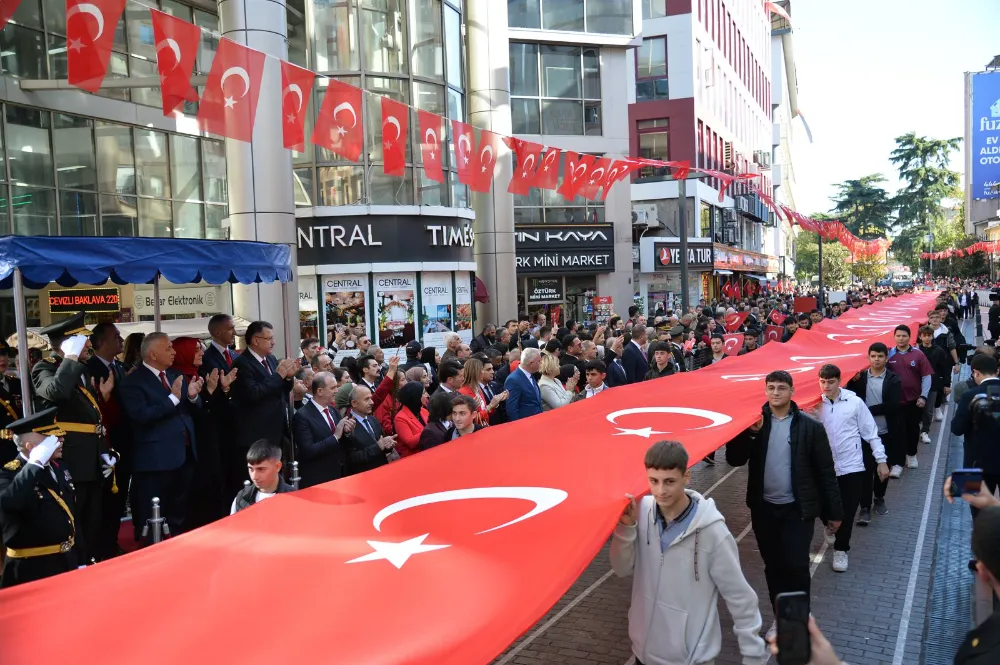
point(65, 384)
point(37, 510)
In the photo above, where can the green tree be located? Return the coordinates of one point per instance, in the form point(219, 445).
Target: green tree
point(869, 269)
point(836, 265)
point(923, 166)
point(865, 207)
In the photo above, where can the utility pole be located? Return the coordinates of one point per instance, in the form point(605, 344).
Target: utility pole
point(683, 233)
point(819, 298)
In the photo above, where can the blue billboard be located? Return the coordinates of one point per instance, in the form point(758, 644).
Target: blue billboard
point(985, 135)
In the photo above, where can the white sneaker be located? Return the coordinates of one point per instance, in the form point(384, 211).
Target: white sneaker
point(896, 471)
point(839, 561)
point(938, 415)
point(925, 437)
point(911, 462)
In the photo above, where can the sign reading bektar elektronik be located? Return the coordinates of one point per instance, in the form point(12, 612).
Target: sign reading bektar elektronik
point(384, 239)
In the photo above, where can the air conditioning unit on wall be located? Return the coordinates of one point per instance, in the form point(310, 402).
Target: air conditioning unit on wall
point(762, 158)
point(645, 214)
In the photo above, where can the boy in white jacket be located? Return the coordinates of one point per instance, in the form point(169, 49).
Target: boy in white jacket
point(683, 557)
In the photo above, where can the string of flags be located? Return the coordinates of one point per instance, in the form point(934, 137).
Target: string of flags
point(991, 247)
point(228, 108)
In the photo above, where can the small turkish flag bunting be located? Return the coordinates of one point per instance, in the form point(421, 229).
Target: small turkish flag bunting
point(577, 174)
point(596, 179)
point(296, 86)
point(527, 162)
point(229, 104)
point(177, 43)
point(489, 147)
point(465, 156)
point(90, 32)
point(733, 344)
point(339, 126)
point(620, 170)
point(735, 320)
point(431, 131)
point(773, 334)
point(547, 175)
point(395, 127)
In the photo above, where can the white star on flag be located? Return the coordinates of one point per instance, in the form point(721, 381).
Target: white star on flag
point(432, 154)
point(291, 117)
point(341, 130)
point(75, 45)
point(230, 103)
point(646, 432)
point(397, 553)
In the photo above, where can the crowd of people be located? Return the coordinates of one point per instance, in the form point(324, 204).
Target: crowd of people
point(119, 422)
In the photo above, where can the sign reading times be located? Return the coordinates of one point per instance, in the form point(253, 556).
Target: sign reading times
point(384, 239)
point(71, 301)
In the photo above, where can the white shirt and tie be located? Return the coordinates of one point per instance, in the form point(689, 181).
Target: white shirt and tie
point(324, 411)
point(363, 421)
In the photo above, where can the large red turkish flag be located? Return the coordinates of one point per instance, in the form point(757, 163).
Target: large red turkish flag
point(296, 89)
point(340, 127)
point(90, 33)
point(229, 103)
point(395, 132)
point(177, 43)
point(431, 131)
point(466, 542)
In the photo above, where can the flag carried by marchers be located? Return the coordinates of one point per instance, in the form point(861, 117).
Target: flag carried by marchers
point(431, 132)
point(773, 334)
point(296, 88)
point(395, 126)
point(229, 104)
point(735, 320)
point(340, 127)
point(90, 33)
point(733, 344)
point(776, 317)
point(177, 43)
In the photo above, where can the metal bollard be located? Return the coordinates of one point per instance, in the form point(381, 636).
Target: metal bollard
point(160, 528)
point(295, 479)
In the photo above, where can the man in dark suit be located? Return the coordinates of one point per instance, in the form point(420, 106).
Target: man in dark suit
point(485, 339)
point(104, 367)
point(160, 404)
point(220, 353)
point(616, 373)
point(634, 356)
point(981, 431)
point(524, 399)
point(365, 448)
point(62, 381)
point(260, 397)
point(318, 430)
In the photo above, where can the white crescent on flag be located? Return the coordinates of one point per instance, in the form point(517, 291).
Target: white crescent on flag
point(172, 44)
point(93, 10)
point(391, 120)
point(346, 106)
point(236, 71)
point(464, 138)
point(297, 91)
point(529, 161)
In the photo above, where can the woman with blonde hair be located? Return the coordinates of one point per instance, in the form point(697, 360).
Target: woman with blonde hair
point(473, 372)
point(554, 394)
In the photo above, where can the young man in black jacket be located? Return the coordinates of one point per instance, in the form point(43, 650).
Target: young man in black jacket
point(792, 482)
point(882, 391)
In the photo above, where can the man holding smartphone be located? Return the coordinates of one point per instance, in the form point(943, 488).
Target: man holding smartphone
point(981, 433)
point(676, 544)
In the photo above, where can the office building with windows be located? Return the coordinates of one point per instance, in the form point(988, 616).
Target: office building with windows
point(701, 91)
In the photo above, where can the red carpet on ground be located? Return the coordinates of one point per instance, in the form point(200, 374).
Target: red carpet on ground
point(442, 558)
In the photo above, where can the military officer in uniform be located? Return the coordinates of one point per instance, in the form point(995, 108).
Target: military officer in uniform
point(10, 402)
point(37, 507)
point(63, 381)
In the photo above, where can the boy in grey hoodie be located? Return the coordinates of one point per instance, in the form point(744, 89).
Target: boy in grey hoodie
point(676, 543)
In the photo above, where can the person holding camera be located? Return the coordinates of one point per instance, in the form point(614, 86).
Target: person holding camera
point(975, 419)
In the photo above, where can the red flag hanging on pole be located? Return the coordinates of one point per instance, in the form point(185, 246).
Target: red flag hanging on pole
point(486, 161)
point(177, 43)
point(229, 104)
point(395, 129)
point(430, 144)
point(527, 162)
point(90, 32)
point(547, 175)
point(576, 176)
point(340, 127)
point(296, 84)
point(7, 10)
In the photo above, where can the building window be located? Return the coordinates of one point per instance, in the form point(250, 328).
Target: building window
point(545, 206)
point(654, 143)
point(612, 17)
point(658, 9)
point(651, 70)
point(556, 90)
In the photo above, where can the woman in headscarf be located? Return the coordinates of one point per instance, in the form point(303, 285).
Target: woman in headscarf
point(438, 421)
point(206, 502)
point(411, 418)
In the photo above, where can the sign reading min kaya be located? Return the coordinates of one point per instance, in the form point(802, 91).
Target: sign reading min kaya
point(384, 239)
